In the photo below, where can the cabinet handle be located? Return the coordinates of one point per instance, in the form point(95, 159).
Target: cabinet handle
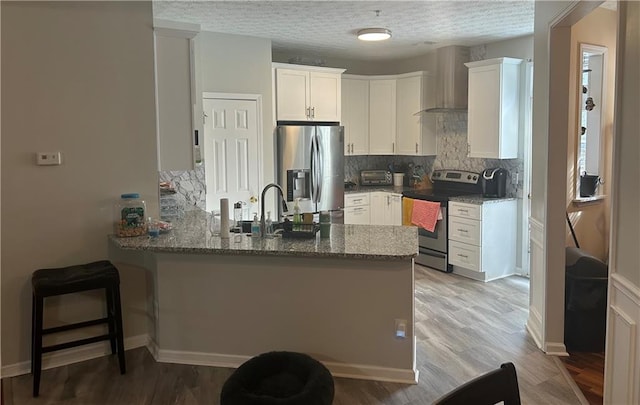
point(416, 147)
point(393, 147)
point(313, 112)
point(358, 200)
point(461, 255)
point(463, 230)
point(308, 109)
point(463, 210)
point(351, 148)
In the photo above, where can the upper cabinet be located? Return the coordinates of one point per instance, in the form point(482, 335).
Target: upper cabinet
point(415, 131)
point(355, 115)
point(177, 106)
point(382, 116)
point(307, 93)
point(494, 108)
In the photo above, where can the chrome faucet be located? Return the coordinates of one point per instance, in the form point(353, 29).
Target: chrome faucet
point(284, 205)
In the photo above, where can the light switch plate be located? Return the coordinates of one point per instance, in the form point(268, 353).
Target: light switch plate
point(48, 158)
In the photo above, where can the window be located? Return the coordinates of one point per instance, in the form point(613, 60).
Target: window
point(590, 118)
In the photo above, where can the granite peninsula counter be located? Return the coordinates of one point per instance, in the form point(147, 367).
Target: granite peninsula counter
point(219, 302)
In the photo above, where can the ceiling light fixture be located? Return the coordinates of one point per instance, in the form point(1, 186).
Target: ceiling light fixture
point(374, 34)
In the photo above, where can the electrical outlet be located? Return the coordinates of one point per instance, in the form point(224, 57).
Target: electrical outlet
point(48, 158)
point(401, 328)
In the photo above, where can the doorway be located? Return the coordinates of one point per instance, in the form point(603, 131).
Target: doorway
point(233, 149)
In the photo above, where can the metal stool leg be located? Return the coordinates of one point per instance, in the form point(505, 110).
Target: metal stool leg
point(37, 345)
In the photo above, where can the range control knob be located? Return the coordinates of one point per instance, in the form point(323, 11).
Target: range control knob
point(475, 177)
point(469, 177)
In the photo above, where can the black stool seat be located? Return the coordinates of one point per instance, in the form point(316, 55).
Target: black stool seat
point(82, 277)
point(65, 280)
point(279, 378)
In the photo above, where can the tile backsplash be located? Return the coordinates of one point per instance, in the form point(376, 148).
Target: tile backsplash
point(451, 133)
point(190, 189)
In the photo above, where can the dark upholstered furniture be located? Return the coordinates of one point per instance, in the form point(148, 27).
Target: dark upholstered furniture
point(488, 389)
point(73, 279)
point(279, 378)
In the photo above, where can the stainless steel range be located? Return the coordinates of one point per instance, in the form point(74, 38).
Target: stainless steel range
point(433, 246)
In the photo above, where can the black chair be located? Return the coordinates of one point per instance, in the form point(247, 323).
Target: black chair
point(73, 279)
point(488, 389)
point(279, 378)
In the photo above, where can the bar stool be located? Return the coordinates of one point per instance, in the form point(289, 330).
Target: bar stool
point(73, 279)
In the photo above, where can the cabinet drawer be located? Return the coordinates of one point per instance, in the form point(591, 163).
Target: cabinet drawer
point(463, 210)
point(352, 200)
point(465, 230)
point(464, 255)
point(357, 215)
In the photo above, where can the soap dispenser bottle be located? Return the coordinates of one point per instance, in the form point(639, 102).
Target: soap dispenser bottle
point(255, 226)
point(297, 218)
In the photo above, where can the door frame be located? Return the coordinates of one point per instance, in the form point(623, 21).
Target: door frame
point(208, 95)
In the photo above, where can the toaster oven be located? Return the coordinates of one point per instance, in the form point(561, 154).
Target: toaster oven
point(376, 178)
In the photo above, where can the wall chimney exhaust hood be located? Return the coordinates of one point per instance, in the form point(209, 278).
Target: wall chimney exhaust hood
point(452, 80)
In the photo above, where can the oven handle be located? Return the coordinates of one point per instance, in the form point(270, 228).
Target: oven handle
point(429, 253)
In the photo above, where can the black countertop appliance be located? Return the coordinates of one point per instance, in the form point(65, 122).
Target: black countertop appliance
point(494, 182)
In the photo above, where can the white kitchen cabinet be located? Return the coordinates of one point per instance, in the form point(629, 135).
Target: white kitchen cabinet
point(482, 239)
point(178, 109)
point(415, 131)
point(307, 93)
point(355, 115)
point(382, 116)
point(386, 208)
point(356, 209)
point(494, 108)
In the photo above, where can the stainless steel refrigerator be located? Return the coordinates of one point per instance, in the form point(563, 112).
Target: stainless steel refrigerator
point(310, 167)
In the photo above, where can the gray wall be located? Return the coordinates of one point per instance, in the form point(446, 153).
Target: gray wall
point(77, 78)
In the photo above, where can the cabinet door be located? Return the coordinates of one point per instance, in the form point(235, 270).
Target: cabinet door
point(484, 111)
point(357, 215)
point(394, 209)
point(382, 117)
point(409, 95)
point(292, 94)
point(325, 97)
point(378, 208)
point(355, 116)
point(175, 102)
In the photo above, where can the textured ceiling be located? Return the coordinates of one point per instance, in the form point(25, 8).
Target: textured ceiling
point(327, 28)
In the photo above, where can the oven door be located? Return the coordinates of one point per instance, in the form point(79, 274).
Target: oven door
point(436, 240)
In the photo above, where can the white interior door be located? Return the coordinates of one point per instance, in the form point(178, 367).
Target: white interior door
point(232, 151)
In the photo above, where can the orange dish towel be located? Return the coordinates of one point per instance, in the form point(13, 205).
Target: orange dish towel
point(407, 210)
point(426, 214)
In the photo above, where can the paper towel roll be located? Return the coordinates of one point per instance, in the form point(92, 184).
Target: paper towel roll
point(224, 218)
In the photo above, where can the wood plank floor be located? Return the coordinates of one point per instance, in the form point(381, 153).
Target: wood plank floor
point(587, 370)
point(464, 328)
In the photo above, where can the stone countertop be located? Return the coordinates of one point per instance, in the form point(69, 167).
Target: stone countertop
point(368, 189)
point(191, 235)
point(479, 199)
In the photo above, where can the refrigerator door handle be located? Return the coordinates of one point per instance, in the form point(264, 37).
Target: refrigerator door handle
point(319, 172)
point(314, 182)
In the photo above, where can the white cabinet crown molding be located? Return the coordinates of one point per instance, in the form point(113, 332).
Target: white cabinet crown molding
point(494, 61)
point(175, 28)
point(309, 68)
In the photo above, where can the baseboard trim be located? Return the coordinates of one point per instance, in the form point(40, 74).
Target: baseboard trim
point(556, 349)
point(357, 371)
point(73, 355)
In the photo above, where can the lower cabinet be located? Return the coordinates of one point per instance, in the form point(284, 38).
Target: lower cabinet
point(386, 208)
point(356, 209)
point(482, 239)
point(373, 208)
